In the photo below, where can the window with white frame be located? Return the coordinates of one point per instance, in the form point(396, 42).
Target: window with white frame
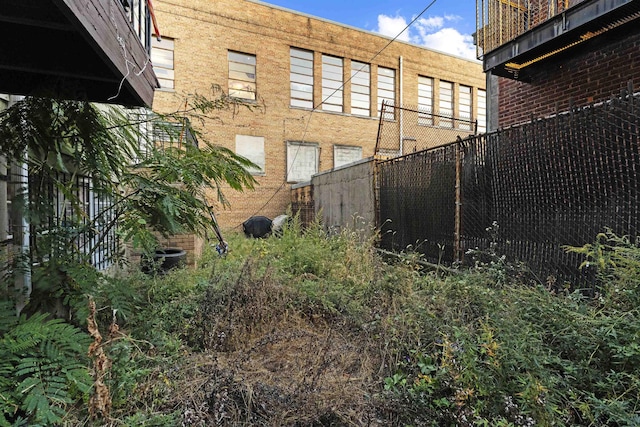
point(464, 108)
point(482, 110)
point(425, 101)
point(252, 147)
point(303, 161)
point(163, 63)
point(387, 91)
point(332, 73)
point(446, 104)
point(345, 154)
point(301, 78)
point(360, 89)
point(242, 75)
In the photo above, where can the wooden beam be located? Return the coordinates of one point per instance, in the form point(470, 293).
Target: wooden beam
point(105, 27)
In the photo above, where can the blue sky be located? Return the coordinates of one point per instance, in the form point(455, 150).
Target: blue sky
point(446, 26)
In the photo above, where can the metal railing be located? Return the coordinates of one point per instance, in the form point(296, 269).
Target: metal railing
point(138, 16)
point(73, 218)
point(500, 21)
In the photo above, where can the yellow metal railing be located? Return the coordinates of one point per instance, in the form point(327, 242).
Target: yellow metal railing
point(500, 21)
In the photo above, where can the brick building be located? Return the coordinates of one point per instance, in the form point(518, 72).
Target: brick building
point(543, 57)
point(320, 85)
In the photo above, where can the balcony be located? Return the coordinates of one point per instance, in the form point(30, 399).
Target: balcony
point(77, 49)
point(515, 37)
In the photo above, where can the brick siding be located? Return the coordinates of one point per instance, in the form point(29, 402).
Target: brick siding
point(204, 31)
point(591, 73)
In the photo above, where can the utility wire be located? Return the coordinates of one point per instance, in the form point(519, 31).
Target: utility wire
point(333, 93)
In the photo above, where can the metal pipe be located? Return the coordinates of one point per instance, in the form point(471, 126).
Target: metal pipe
point(401, 115)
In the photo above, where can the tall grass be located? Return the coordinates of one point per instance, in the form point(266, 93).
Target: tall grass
point(310, 329)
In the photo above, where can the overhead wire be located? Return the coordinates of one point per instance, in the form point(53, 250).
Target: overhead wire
point(304, 134)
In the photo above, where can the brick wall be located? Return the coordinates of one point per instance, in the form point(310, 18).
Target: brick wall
point(204, 31)
point(193, 245)
point(593, 72)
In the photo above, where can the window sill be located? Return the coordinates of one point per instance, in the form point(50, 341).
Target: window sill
point(335, 113)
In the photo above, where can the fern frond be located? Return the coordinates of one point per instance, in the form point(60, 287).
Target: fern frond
point(42, 368)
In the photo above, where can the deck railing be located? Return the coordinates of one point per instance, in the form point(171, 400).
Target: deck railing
point(500, 21)
point(140, 20)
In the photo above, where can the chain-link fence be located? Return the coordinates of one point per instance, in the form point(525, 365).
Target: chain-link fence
point(529, 190)
point(407, 129)
point(417, 203)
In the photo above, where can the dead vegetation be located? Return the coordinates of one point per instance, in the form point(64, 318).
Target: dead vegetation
point(267, 363)
point(306, 330)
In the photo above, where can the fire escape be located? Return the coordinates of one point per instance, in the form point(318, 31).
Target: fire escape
point(516, 37)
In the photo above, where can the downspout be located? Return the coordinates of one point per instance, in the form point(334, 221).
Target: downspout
point(401, 115)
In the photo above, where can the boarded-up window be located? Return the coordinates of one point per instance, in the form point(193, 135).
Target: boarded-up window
point(303, 160)
point(345, 154)
point(252, 147)
point(242, 75)
point(301, 76)
point(162, 60)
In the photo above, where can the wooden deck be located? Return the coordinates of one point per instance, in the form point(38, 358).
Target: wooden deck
point(80, 49)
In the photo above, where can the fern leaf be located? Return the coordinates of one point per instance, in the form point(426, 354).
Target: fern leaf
point(27, 366)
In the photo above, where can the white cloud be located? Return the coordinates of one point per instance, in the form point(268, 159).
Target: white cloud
point(435, 32)
point(390, 26)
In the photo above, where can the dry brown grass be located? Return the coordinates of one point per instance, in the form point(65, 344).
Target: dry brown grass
point(270, 361)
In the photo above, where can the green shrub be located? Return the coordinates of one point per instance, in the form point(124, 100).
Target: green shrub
point(518, 355)
point(43, 369)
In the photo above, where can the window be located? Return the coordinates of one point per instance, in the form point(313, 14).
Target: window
point(344, 154)
point(105, 240)
point(162, 60)
point(332, 83)
point(90, 223)
point(446, 104)
point(303, 160)
point(301, 76)
point(252, 147)
point(482, 110)
point(387, 90)
point(172, 134)
point(425, 101)
point(464, 108)
point(360, 89)
point(242, 76)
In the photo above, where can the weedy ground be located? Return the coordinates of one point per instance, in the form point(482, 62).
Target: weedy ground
point(309, 329)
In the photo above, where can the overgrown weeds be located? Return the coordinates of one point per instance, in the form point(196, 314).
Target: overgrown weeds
point(309, 329)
